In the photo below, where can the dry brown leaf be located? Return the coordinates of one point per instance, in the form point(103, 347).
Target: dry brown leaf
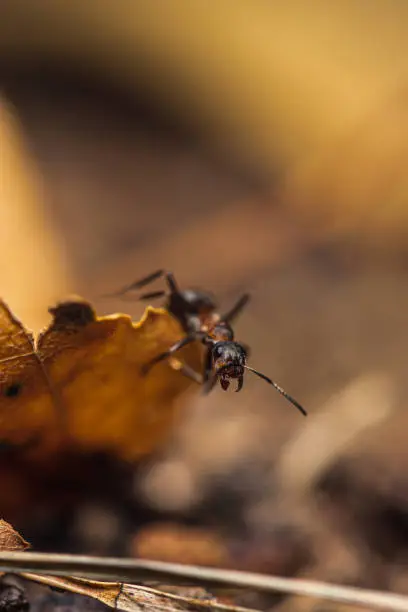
point(133, 598)
point(78, 386)
point(10, 539)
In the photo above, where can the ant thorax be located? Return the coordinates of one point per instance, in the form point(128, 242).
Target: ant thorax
point(220, 332)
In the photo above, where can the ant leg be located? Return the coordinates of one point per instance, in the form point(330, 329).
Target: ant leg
point(229, 316)
point(144, 297)
point(171, 282)
point(279, 389)
point(152, 295)
point(209, 378)
point(173, 349)
point(186, 370)
point(138, 284)
point(207, 365)
point(209, 385)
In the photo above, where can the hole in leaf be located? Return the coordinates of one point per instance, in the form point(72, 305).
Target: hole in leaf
point(12, 390)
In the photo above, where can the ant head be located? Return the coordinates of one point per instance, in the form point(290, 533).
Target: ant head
point(229, 360)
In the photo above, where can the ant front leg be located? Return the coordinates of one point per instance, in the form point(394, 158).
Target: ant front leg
point(185, 369)
point(173, 349)
point(208, 363)
point(210, 384)
point(209, 379)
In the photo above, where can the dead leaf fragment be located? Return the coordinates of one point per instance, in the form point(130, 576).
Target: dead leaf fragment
point(133, 598)
point(79, 385)
point(116, 595)
point(26, 398)
point(10, 539)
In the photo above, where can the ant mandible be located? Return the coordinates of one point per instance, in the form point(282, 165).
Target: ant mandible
point(225, 359)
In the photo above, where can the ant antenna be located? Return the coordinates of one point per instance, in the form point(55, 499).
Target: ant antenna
point(279, 389)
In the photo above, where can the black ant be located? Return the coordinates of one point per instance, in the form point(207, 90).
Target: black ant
point(225, 359)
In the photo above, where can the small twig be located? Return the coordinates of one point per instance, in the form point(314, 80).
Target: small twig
point(138, 570)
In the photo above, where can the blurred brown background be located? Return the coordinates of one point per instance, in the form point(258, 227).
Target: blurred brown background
point(250, 145)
